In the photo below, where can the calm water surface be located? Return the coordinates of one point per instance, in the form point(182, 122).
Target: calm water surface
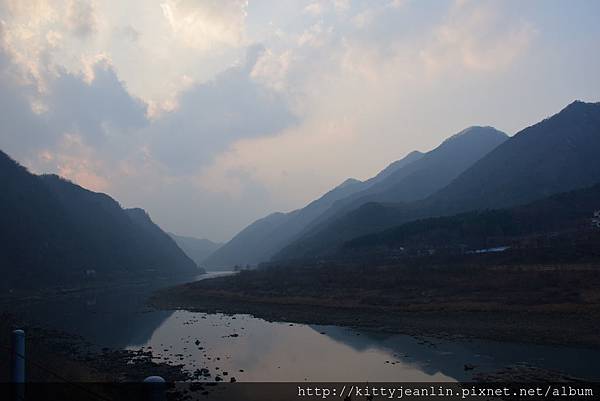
point(252, 349)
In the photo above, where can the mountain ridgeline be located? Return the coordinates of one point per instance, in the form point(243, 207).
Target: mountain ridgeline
point(558, 154)
point(423, 176)
point(197, 249)
point(263, 238)
point(414, 177)
point(54, 232)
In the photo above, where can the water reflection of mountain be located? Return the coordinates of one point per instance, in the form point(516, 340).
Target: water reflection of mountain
point(115, 318)
point(408, 350)
point(449, 357)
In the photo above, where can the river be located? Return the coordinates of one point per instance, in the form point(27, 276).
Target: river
point(252, 349)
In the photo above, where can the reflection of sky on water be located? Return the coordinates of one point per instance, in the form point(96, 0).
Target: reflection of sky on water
point(279, 351)
point(284, 352)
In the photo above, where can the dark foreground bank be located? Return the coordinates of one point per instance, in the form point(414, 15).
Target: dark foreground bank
point(62, 366)
point(54, 356)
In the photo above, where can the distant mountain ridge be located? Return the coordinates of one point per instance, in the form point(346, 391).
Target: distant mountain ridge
point(422, 177)
point(413, 177)
point(260, 240)
point(53, 231)
point(558, 154)
point(197, 249)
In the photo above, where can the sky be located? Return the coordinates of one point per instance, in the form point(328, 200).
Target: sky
point(210, 114)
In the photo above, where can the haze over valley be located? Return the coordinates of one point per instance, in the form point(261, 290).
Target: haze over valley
point(296, 192)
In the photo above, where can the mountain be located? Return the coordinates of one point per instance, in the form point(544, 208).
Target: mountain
point(393, 167)
point(558, 154)
point(53, 231)
point(413, 177)
point(261, 239)
point(197, 249)
point(570, 212)
point(429, 173)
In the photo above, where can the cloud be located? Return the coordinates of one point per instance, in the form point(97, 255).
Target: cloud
point(477, 37)
point(152, 43)
point(364, 19)
point(314, 36)
point(397, 3)
point(72, 124)
point(271, 69)
point(360, 97)
point(81, 17)
point(315, 9)
point(210, 116)
point(341, 5)
point(206, 24)
point(19, 125)
point(96, 106)
point(280, 164)
point(130, 33)
point(76, 161)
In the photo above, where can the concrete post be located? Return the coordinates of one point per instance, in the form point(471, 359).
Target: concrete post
point(155, 388)
point(17, 365)
point(18, 357)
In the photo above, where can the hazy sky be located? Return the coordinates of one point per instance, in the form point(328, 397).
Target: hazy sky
point(210, 114)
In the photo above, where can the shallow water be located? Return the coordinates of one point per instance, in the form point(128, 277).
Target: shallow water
point(280, 351)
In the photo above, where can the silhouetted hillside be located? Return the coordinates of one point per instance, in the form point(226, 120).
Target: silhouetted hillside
point(54, 231)
point(556, 155)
